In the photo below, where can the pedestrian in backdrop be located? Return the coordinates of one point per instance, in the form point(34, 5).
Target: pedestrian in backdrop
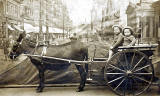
point(74, 37)
point(11, 42)
point(6, 46)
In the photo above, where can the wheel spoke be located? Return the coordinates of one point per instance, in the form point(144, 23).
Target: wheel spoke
point(138, 63)
point(131, 85)
point(141, 68)
point(126, 61)
point(141, 79)
point(143, 73)
point(135, 81)
point(116, 79)
point(114, 73)
point(110, 69)
point(125, 89)
point(121, 64)
point(119, 84)
point(117, 68)
point(132, 59)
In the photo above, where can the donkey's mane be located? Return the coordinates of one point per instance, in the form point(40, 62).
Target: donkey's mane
point(21, 36)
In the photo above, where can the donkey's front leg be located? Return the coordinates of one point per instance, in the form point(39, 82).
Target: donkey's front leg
point(41, 79)
point(83, 76)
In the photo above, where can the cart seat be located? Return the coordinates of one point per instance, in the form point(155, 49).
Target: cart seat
point(144, 48)
point(140, 47)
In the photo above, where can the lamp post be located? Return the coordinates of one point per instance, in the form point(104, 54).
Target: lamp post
point(47, 31)
point(40, 21)
point(63, 22)
point(22, 15)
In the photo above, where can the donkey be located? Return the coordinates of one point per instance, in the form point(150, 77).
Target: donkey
point(74, 50)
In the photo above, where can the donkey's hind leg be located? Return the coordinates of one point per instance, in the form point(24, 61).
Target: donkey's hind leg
point(83, 75)
point(41, 78)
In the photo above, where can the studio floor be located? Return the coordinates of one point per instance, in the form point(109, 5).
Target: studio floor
point(68, 91)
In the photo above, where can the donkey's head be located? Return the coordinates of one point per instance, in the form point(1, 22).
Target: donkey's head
point(18, 47)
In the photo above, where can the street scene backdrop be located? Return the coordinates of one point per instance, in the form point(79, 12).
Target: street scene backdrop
point(54, 21)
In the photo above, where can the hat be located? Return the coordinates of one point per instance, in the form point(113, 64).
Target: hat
point(128, 27)
point(119, 26)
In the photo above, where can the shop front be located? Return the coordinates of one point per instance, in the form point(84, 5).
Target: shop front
point(156, 7)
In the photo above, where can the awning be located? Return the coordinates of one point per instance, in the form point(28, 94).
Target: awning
point(10, 28)
point(17, 27)
point(29, 28)
point(50, 29)
point(58, 30)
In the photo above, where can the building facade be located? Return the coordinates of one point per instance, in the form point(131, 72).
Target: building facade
point(10, 19)
point(44, 15)
point(132, 16)
point(141, 15)
point(156, 7)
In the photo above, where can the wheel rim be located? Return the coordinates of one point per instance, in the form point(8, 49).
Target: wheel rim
point(129, 73)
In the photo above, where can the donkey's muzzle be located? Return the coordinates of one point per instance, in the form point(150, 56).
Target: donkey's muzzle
point(12, 55)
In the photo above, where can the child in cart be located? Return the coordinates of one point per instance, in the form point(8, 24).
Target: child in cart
point(122, 38)
point(118, 39)
point(129, 39)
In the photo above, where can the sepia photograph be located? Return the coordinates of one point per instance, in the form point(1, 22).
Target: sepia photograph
point(79, 47)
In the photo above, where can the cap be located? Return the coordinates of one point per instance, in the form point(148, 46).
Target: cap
point(128, 27)
point(119, 26)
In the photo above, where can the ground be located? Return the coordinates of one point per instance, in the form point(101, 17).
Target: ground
point(68, 91)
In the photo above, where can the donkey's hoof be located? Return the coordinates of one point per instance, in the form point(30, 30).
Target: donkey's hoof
point(38, 90)
point(79, 90)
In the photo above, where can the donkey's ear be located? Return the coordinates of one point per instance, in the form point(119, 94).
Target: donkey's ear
point(15, 45)
point(28, 36)
point(21, 36)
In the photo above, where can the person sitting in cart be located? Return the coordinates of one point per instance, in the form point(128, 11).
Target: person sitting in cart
point(118, 40)
point(129, 39)
point(122, 38)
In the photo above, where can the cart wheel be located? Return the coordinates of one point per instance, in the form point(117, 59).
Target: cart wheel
point(129, 72)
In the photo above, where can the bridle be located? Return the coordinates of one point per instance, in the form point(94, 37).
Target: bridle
point(17, 46)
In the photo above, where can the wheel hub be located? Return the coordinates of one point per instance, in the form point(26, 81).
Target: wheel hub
point(129, 73)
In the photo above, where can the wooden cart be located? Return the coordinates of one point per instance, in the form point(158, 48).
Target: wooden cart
point(128, 72)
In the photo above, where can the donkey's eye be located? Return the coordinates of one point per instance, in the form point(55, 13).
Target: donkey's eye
point(14, 49)
point(14, 46)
